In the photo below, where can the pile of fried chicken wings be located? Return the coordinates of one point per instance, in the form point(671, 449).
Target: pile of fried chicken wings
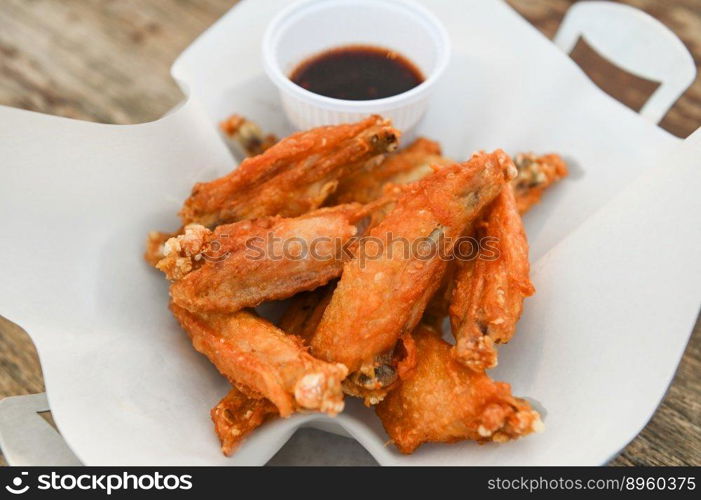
point(375, 247)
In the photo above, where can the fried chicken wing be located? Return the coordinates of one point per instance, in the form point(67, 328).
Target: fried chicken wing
point(292, 177)
point(442, 401)
point(383, 291)
point(247, 135)
point(248, 262)
point(403, 167)
point(237, 415)
point(254, 354)
point(488, 292)
point(535, 175)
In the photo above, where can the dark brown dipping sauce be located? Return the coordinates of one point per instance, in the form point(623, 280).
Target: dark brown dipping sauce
point(357, 73)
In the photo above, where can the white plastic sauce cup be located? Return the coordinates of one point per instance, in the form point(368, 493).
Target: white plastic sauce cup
point(307, 28)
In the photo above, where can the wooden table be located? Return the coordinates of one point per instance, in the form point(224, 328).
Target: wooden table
point(107, 61)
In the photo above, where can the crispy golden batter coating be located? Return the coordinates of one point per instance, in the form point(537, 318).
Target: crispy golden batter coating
point(185, 251)
point(403, 167)
point(535, 175)
point(249, 262)
point(488, 292)
point(292, 177)
point(155, 241)
point(302, 318)
point(383, 291)
point(442, 401)
point(254, 354)
point(237, 415)
point(247, 135)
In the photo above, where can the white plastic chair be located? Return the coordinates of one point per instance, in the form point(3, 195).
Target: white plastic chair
point(637, 43)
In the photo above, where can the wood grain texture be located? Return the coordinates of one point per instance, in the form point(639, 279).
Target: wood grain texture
point(108, 61)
